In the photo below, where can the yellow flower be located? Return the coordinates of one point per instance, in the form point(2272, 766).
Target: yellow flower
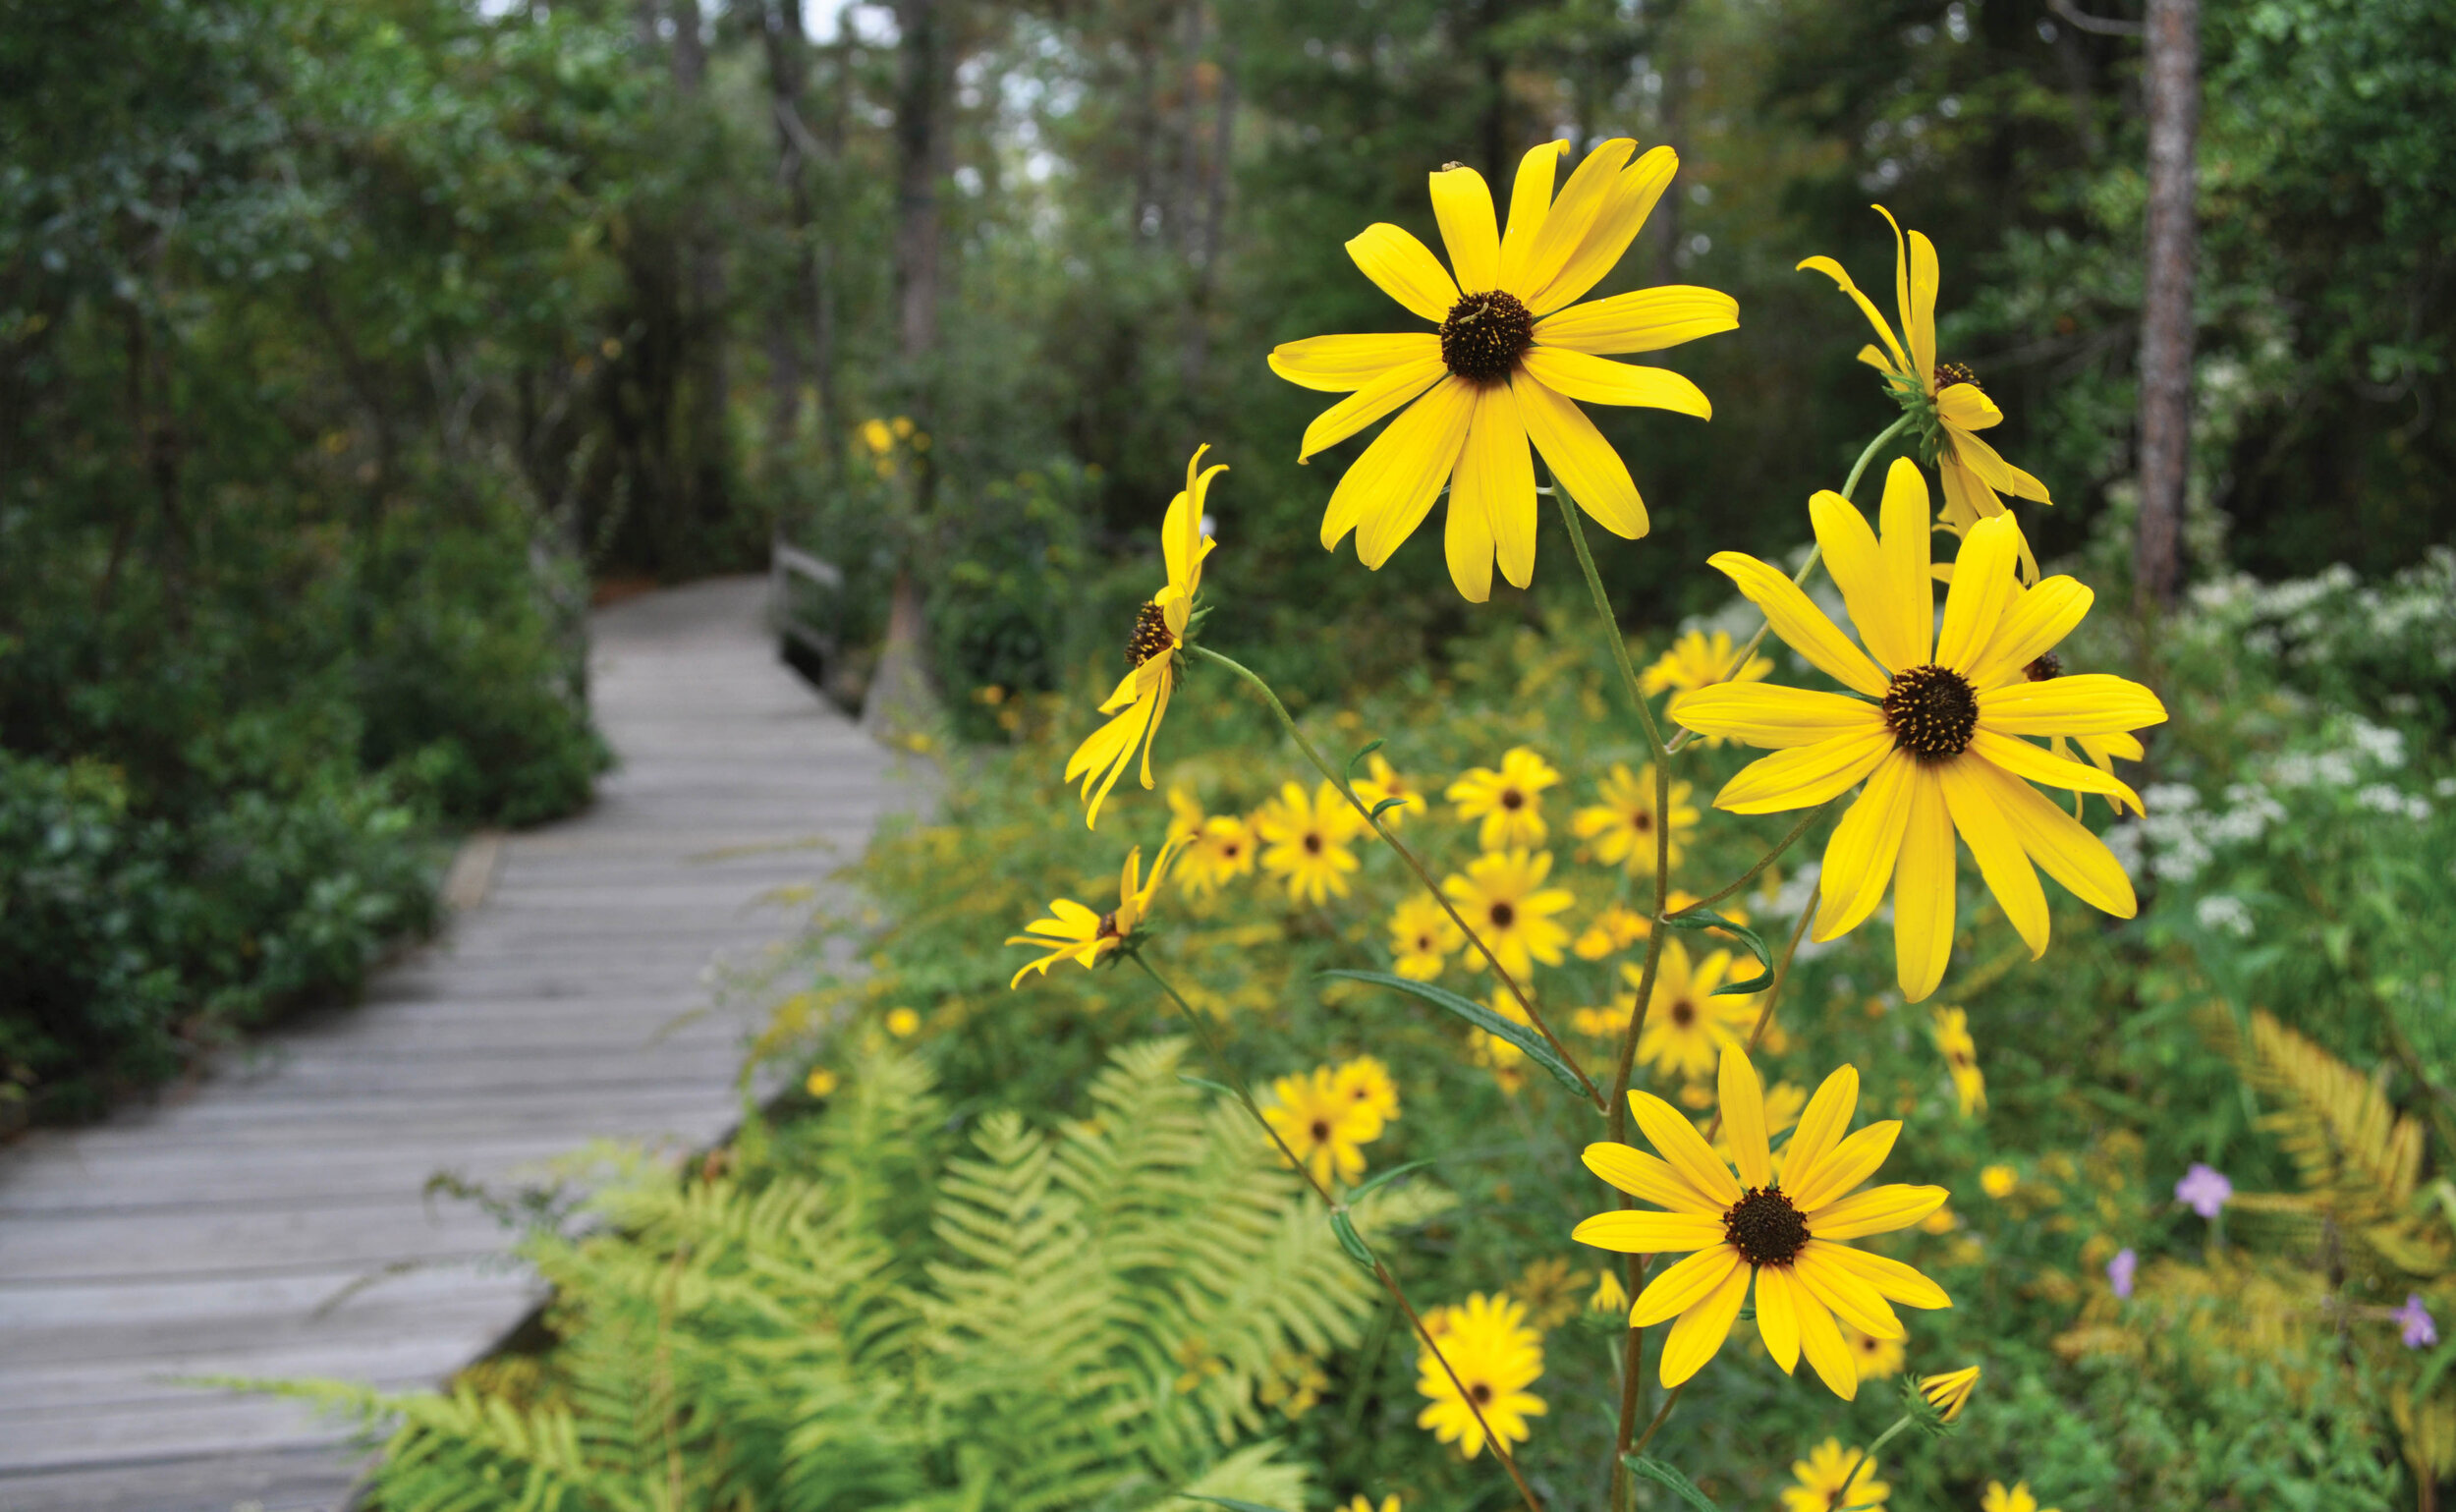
point(1503, 899)
point(1223, 848)
point(1617, 927)
point(1786, 1235)
point(1072, 933)
point(1877, 1357)
point(1367, 1082)
point(1422, 938)
point(1497, 1357)
point(1509, 802)
point(1602, 1022)
point(1938, 738)
point(878, 437)
point(1609, 1295)
point(1949, 1392)
point(822, 1082)
point(1948, 406)
point(1686, 1028)
point(1140, 701)
point(1360, 1504)
point(1324, 1122)
point(903, 1023)
point(1999, 1181)
point(1548, 1290)
point(1785, 1101)
point(1940, 1222)
point(1623, 827)
point(1697, 661)
point(1823, 1476)
point(1960, 1059)
point(1382, 781)
point(1505, 365)
point(1305, 841)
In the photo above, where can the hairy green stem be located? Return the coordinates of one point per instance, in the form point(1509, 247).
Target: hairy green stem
point(1661, 1413)
point(1867, 1457)
point(1338, 780)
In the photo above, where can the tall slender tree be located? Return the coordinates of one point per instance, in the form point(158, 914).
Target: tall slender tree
point(2173, 86)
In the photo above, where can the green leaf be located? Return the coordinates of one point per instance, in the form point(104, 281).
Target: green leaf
point(1383, 1180)
point(1220, 1087)
point(2441, 1359)
point(1369, 748)
point(1707, 918)
point(1666, 1475)
point(1230, 1502)
point(1352, 1241)
point(1387, 804)
point(1479, 1015)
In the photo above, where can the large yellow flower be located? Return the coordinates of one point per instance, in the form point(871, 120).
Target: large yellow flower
point(1503, 899)
point(1622, 827)
point(1948, 406)
point(1787, 1234)
point(1508, 802)
point(1936, 734)
point(1307, 841)
point(1508, 361)
point(1686, 1027)
point(1324, 1123)
point(1159, 635)
point(1497, 1357)
point(1072, 933)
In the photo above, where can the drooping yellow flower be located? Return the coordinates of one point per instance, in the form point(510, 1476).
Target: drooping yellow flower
point(1876, 1358)
point(2018, 1500)
point(1383, 782)
point(1947, 405)
point(1422, 938)
point(1503, 899)
point(1686, 1028)
point(1327, 1125)
point(1788, 1235)
point(1305, 841)
point(1504, 369)
point(1609, 1295)
point(1140, 701)
point(1623, 825)
point(1949, 1392)
point(1366, 1083)
point(1821, 1476)
point(1936, 734)
point(1497, 1357)
point(1072, 933)
point(1509, 802)
point(1960, 1059)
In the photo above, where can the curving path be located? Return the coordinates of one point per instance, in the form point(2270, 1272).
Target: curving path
point(223, 1230)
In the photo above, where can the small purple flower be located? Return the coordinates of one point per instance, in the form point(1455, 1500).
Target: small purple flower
point(2205, 1190)
point(2119, 1273)
point(2421, 1329)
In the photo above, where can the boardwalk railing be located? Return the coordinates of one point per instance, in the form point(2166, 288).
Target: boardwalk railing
point(810, 619)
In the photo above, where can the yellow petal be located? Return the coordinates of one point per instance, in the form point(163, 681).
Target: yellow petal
point(1852, 1160)
point(1876, 1210)
point(1702, 1329)
point(1967, 497)
point(1777, 1315)
point(1530, 200)
point(1183, 545)
point(1463, 205)
point(1799, 622)
point(1806, 777)
point(1893, 627)
point(1467, 538)
point(1496, 478)
point(2082, 704)
point(1860, 858)
point(1405, 269)
point(1572, 214)
point(1641, 1175)
point(1772, 717)
point(1922, 891)
point(1821, 1342)
point(1822, 1123)
point(1601, 381)
point(1402, 471)
point(1998, 474)
point(1966, 407)
point(1649, 1233)
point(1642, 320)
point(1833, 270)
point(2033, 625)
point(1339, 364)
point(1742, 1097)
point(2022, 760)
point(2058, 843)
point(1893, 1281)
point(2001, 859)
point(1393, 388)
point(1681, 1145)
point(1904, 520)
point(1851, 1298)
point(1984, 585)
point(1581, 460)
point(1629, 200)
point(1921, 316)
point(1684, 1285)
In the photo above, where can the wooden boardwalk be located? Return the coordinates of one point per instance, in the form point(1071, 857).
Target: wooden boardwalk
point(211, 1234)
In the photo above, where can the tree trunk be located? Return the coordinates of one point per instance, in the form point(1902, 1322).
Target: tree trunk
point(2173, 88)
point(787, 69)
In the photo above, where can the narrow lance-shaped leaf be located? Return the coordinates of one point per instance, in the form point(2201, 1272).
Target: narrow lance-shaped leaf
point(1476, 1013)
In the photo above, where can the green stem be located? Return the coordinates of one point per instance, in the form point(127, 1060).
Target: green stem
point(1338, 780)
point(1660, 1414)
point(1611, 625)
point(1842, 1498)
point(1773, 992)
point(1770, 856)
point(1381, 1272)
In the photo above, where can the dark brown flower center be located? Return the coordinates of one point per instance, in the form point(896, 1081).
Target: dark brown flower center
point(1765, 1227)
point(2047, 666)
point(1503, 916)
point(1484, 336)
point(1151, 636)
point(1932, 710)
point(1108, 929)
point(1313, 845)
point(1949, 374)
point(1512, 799)
point(1482, 1391)
point(1640, 820)
point(1684, 1013)
point(1321, 1131)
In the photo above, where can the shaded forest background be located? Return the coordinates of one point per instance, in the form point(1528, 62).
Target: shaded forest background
point(346, 344)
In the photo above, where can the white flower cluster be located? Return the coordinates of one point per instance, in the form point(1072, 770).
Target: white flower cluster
point(2317, 620)
point(2181, 836)
point(2220, 911)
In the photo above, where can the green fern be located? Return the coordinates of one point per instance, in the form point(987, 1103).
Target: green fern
point(1079, 1319)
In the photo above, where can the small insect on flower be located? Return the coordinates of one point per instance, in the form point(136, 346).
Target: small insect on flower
point(1495, 1358)
point(1422, 938)
point(1381, 783)
point(1949, 1392)
point(1072, 933)
point(1819, 1481)
point(1508, 802)
point(1624, 826)
point(1324, 1123)
point(1140, 701)
point(1503, 900)
point(1305, 841)
point(1786, 1235)
point(1936, 732)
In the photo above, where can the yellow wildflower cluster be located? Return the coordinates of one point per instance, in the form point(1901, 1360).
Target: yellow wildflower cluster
point(1326, 1118)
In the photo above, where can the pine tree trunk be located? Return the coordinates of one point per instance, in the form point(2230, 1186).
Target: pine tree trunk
point(2174, 102)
